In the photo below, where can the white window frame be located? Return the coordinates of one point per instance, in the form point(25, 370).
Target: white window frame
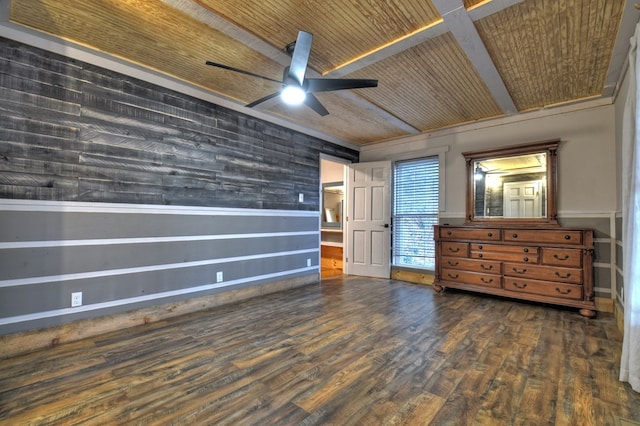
point(416, 155)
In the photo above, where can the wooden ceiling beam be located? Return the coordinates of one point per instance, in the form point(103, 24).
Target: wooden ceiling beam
point(489, 8)
point(461, 26)
point(391, 49)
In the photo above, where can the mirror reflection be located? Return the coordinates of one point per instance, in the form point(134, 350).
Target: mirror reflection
point(511, 187)
point(332, 201)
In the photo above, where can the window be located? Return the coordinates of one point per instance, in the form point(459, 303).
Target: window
point(415, 211)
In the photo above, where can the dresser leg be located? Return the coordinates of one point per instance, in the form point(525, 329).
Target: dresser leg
point(589, 313)
point(438, 288)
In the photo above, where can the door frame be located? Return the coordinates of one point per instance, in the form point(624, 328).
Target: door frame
point(345, 162)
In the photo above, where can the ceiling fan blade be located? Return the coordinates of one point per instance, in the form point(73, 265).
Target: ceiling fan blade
point(227, 67)
point(330, 84)
point(313, 103)
point(261, 100)
point(300, 57)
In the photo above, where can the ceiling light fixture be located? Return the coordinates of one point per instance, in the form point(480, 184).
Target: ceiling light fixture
point(293, 95)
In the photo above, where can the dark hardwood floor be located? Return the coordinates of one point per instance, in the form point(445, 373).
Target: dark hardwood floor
point(349, 351)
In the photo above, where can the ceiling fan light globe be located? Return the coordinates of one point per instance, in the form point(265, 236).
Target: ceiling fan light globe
point(293, 95)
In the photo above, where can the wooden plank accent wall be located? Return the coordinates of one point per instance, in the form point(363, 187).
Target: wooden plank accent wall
point(138, 195)
point(75, 132)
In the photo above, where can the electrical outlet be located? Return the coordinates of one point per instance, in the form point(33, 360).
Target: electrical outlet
point(219, 276)
point(76, 299)
point(301, 197)
point(308, 262)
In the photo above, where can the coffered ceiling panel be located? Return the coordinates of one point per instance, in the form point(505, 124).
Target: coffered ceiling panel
point(339, 122)
point(438, 63)
point(344, 30)
point(431, 85)
point(549, 52)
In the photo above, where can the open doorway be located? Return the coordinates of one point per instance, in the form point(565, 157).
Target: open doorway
point(332, 205)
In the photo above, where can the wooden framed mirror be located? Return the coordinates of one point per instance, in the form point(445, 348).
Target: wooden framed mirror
point(513, 185)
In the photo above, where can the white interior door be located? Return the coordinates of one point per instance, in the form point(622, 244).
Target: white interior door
point(522, 199)
point(368, 231)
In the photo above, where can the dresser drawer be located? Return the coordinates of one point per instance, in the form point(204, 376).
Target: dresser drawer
point(472, 265)
point(544, 288)
point(504, 248)
point(556, 273)
point(542, 236)
point(470, 234)
point(486, 280)
point(562, 257)
point(450, 248)
point(506, 257)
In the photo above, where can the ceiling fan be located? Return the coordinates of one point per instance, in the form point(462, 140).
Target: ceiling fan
point(297, 89)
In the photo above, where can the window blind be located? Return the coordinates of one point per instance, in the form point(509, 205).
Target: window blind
point(415, 211)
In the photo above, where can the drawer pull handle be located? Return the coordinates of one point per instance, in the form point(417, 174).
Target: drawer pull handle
point(480, 255)
point(490, 234)
point(448, 232)
point(489, 281)
point(519, 285)
point(526, 250)
point(555, 256)
point(452, 263)
point(526, 259)
point(453, 276)
point(454, 250)
point(563, 292)
point(567, 237)
point(487, 268)
point(515, 235)
point(480, 247)
point(519, 272)
point(563, 276)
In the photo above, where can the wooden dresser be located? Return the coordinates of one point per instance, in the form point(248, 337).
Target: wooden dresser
point(550, 265)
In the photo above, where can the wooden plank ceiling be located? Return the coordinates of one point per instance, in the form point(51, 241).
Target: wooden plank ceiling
point(439, 63)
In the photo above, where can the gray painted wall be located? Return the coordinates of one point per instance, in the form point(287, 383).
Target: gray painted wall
point(603, 278)
point(123, 256)
point(137, 195)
